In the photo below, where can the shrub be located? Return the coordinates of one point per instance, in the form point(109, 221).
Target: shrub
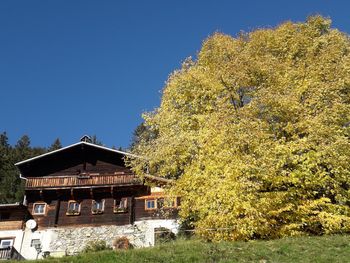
point(163, 235)
point(121, 243)
point(96, 245)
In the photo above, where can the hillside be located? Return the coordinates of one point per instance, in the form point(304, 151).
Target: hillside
point(302, 249)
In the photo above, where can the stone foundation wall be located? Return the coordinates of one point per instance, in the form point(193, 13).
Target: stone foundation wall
point(74, 239)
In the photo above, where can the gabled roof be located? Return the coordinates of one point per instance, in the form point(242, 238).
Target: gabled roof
point(70, 156)
point(74, 145)
point(45, 163)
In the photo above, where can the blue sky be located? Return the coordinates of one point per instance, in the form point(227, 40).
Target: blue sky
point(69, 68)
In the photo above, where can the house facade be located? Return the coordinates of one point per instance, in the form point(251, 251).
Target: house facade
point(82, 193)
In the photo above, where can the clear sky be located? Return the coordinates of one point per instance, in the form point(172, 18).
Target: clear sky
point(69, 68)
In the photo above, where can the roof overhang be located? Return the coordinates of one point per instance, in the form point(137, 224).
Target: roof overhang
point(74, 145)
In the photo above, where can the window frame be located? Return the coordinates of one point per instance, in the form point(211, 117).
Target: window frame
point(12, 241)
point(37, 204)
point(74, 212)
point(149, 200)
point(35, 242)
point(165, 202)
point(118, 209)
point(98, 211)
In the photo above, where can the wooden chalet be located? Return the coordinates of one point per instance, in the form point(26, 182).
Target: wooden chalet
point(88, 185)
point(81, 193)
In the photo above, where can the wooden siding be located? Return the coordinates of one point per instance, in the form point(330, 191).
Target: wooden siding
point(56, 209)
point(108, 217)
point(82, 180)
point(11, 225)
point(98, 166)
point(57, 206)
point(12, 217)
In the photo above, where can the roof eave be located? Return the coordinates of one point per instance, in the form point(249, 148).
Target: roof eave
point(73, 145)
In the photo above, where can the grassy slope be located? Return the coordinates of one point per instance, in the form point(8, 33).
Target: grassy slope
point(303, 249)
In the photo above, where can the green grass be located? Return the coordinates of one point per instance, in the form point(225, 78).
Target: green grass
point(303, 249)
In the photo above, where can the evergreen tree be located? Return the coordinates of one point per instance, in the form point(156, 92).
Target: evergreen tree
point(55, 145)
point(11, 186)
point(96, 141)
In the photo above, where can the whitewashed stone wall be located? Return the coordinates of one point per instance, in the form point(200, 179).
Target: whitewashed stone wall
point(72, 240)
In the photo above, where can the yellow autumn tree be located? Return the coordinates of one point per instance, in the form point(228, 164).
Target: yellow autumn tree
point(256, 133)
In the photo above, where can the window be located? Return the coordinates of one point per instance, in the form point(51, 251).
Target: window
point(97, 206)
point(4, 243)
point(73, 208)
point(35, 243)
point(160, 202)
point(39, 208)
point(120, 205)
point(150, 204)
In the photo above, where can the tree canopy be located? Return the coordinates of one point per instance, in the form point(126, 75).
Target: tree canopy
point(256, 133)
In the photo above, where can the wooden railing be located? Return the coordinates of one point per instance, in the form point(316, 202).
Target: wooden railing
point(9, 253)
point(82, 180)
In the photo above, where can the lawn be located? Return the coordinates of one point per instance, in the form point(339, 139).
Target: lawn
point(299, 249)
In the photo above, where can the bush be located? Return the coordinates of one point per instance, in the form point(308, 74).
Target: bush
point(97, 245)
point(163, 235)
point(121, 243)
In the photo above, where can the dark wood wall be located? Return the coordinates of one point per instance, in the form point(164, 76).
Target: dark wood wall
point(13, 213)
point(56, 209)
point(57, 206)
point(99, 168)
point(13, 217)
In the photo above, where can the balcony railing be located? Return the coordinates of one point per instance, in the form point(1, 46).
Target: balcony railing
point(82, 180)
point(9, 253)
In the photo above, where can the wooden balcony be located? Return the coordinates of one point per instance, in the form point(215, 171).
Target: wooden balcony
point(82, 181)
point(9, 253)
point(11, 225)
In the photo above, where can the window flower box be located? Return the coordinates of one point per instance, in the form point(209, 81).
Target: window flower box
point(72, 213)
point(120, 210)
point(97, 211)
